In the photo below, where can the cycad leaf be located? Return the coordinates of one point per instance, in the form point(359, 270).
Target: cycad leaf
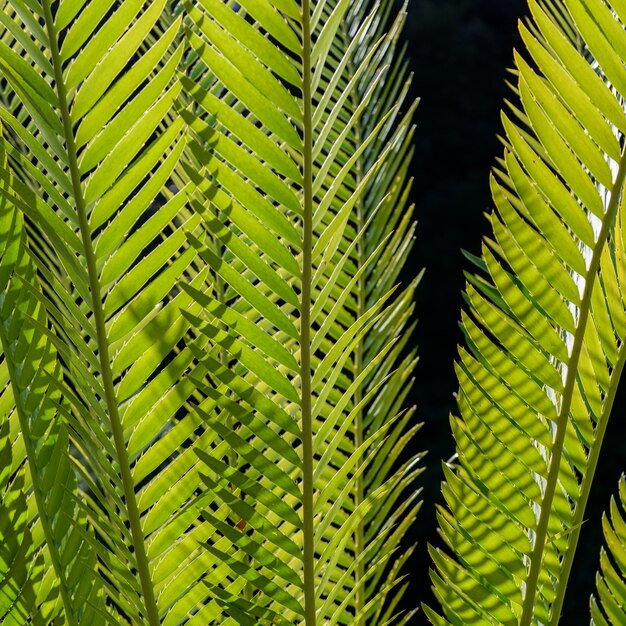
point(544, 331)
point(610, 605)
point(93, 143)
point(304, 194)
point(39, 515)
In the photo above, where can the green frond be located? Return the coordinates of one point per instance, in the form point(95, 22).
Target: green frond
point(47, 567)
point(98, 145)
point(304, 196)
point(544, 328)
point(611, 579)
point(203, 216)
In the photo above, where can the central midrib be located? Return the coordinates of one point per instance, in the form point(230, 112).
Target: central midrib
point(305, 325)
point(536, 559)
point(143, 567)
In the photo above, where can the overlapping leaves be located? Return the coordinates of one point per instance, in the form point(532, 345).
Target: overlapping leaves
point(46, 566)
point(209, 330)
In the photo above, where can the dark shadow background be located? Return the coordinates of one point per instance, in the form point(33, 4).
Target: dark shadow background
point(459, 52)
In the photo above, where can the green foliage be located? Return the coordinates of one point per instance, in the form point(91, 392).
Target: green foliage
point(203, 214)
point(205, 357)
point(611, 578)
point(545, 332)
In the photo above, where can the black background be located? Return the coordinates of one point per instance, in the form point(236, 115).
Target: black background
point(459, 52)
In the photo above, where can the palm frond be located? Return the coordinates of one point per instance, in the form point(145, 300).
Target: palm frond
point(300, 378)
point(98, 152)
point(47, 566)
point(611, 579)
point(544, 329)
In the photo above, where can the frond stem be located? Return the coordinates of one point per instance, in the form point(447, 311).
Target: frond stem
point(143, 568)
point(305, 326)
point(581, 505)
point(570, 380)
